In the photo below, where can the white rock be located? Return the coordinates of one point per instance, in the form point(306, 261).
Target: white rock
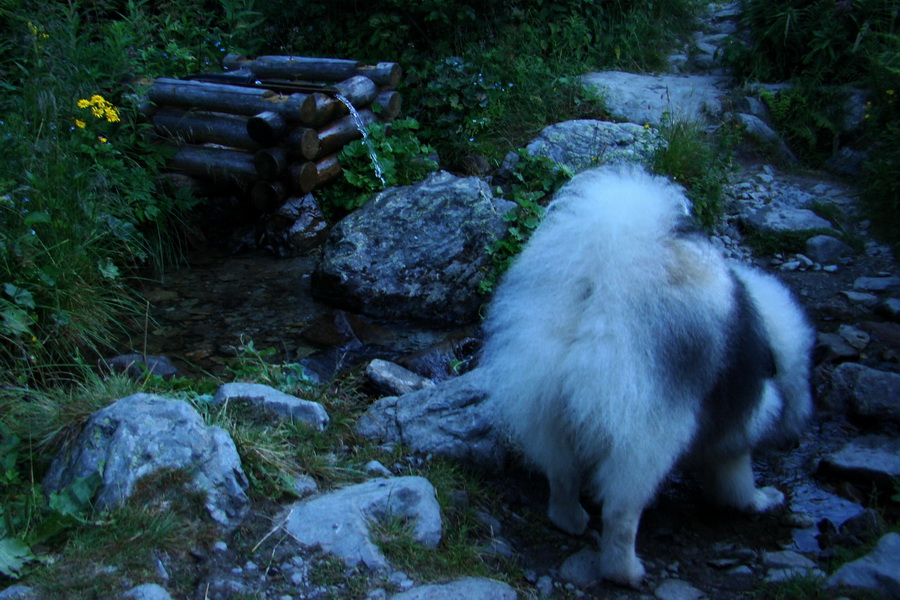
point(339, 522)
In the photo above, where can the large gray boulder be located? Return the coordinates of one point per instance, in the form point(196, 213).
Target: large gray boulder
point(879, 570)
point(453, 419)
point(143, 434)
point(645, 99)
point(339, 522)
point(414, 252)
point(584, 143)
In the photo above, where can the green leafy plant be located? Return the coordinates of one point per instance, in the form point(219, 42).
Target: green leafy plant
point(390, 155)
point(809, 118)
point(534, 181)
point(257, 366)
point(26, 520)
point(815, 40)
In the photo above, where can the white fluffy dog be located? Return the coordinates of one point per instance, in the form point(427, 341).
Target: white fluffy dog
point(620, 343)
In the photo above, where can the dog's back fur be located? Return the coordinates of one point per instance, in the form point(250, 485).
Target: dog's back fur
point(621, 342)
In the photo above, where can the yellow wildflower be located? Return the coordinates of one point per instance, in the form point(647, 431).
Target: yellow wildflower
point(101, 108)
point(79, 123)
point(36, 32)
point(890, 92)
point(101, 139)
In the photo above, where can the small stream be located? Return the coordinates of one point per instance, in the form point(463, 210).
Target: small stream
point(202, 313)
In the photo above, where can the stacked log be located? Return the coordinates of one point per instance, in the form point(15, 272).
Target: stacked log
point(271, 127)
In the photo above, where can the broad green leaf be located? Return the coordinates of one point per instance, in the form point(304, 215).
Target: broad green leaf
point(75, 498)
point(37, 217)
point(19, 296)
point(14, 555)
point(108, 269)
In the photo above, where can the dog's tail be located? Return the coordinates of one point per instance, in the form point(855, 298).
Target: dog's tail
point(623, 206)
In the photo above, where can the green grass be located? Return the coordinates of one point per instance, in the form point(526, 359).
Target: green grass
point(699, 160)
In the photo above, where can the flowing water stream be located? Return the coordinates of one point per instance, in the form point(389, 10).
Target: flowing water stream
point(379, 171)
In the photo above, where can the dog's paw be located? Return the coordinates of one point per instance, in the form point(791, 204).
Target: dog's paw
point(622, 568)
point(572, 519)
point(765, 499)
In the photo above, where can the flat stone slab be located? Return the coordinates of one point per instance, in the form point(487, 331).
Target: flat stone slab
point(879, 570)
point(582, 568)
point(871, 458)
point(339, 522)
point(780, 218)
point(584, 143)
point(676, 589)
point(876, 284)
point(272, 400)
point(868, 392)
point(470, 588)
point(644, 99)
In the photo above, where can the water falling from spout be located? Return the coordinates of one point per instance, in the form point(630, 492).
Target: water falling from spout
point(379, 172)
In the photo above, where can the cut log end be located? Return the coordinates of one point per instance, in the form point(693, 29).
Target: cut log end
point(266, 128)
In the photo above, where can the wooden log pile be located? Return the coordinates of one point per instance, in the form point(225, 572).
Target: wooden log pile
point(272, 127)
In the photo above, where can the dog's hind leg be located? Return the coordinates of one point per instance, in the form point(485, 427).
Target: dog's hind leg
point(625, 486)
point(548, 446)
point(549, 449)
point(626, 482)
point(565, 508)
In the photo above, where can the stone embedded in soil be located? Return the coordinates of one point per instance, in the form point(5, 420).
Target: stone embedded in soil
point(339, 522)
point(578, 144)
point(832, 348)
point(393, 379)
point(270, 399)
point(147, 591)
point(470, 588)
point(876, 284)
point(19, 592)
point(854, 336)
point(890, 308)
point(827, 249)
point(879, 570)
point(452, 419)
point(863, 298)
point(137, 366)
point(781, 218)
point(676, 589)
point(867, 392)
point(582, 568)
point(646, 99)
point(787, 559)
point(868, 459)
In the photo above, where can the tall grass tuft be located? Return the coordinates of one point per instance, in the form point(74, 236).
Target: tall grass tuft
point(699, 161)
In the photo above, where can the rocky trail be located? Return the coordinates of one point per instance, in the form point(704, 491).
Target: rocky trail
point(838, 481)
